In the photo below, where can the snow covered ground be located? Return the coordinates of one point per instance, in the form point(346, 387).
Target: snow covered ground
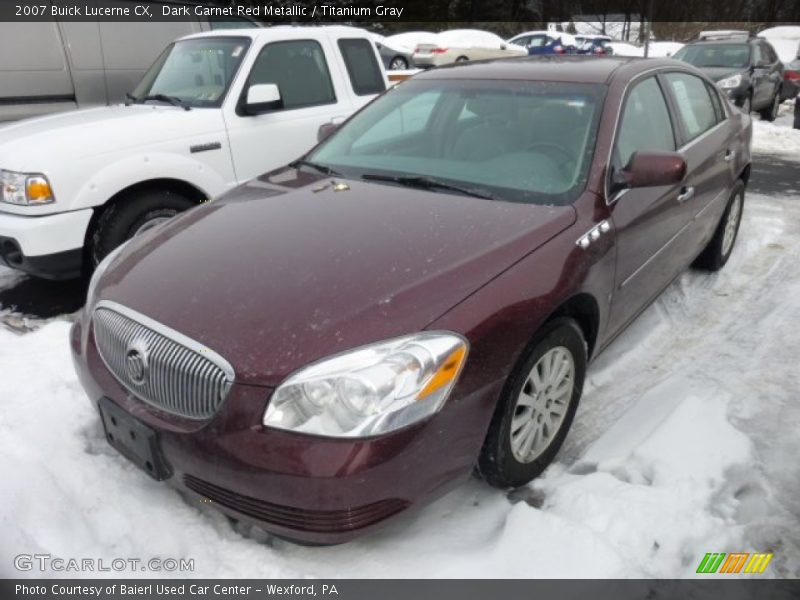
point(686, 442)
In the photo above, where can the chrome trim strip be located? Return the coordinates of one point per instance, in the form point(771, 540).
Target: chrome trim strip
point(175, 336)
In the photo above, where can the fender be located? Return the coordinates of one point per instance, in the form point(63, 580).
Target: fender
point(114, 178)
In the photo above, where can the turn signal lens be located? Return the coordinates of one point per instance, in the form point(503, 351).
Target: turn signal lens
point(38, 190)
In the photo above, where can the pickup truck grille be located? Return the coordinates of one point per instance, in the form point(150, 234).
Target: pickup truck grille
point(159, 365)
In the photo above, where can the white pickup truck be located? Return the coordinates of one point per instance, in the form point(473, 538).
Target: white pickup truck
point(215, 110)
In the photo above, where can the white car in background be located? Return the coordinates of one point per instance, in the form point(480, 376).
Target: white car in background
point(458, 45)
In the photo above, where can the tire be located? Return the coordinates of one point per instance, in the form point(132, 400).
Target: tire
point(398, 63)
point(719, 248)
point(747, 103)
point(131, 215)
point(771, 112)
point(462, 59)
point(503, 462)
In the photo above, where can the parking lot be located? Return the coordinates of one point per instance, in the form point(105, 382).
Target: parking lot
point(713, 359)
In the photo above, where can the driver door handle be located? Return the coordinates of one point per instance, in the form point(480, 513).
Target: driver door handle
point(686, 193)
point(729, 155)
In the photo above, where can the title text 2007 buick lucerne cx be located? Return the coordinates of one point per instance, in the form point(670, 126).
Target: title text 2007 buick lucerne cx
point(351, 335)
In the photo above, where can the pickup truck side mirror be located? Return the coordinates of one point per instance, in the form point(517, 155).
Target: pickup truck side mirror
point(261, 98)
point(650, 169)
point(502, 46)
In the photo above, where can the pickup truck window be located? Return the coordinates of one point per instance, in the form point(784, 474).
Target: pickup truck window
point(300, 71)
point(197, 71)
point(362, 67)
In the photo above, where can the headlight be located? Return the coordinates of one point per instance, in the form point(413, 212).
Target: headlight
point(370, 390)
point(101, 268)
point(25, 188)
point(730, 82)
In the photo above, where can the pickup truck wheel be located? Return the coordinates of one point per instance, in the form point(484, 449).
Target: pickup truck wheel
point(536, 408)
point(771, 112)
point(133, 215)
point(719, 249)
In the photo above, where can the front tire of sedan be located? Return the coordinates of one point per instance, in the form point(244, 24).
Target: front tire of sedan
point(537, 407)
point(133, 215)
point(719, 249)
point(398, 63)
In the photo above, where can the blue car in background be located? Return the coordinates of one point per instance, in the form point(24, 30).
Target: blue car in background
point(597, 45)
point(545, 42)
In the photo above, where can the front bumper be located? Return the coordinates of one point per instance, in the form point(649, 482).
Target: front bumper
point(49, 246)
point(304, 488)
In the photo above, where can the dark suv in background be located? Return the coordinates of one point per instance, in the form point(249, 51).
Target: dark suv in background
point(746, 69)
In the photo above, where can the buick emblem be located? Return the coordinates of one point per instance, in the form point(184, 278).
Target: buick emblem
point(136, 362)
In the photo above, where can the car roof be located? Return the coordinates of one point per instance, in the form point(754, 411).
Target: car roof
point(568, 69)
point(258, 33)
point(725, 42)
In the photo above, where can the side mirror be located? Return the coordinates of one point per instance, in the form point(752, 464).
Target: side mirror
point(262, 97)
point(650, 169)
point(502, 46)
point(325, 130)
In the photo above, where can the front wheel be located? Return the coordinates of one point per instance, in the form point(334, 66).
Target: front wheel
point(398, 63)
point(134, 215)
point(771, 112)
point(537, 407)
point(719, 249)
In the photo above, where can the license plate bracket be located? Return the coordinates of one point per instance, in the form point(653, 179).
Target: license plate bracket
point(134, 440)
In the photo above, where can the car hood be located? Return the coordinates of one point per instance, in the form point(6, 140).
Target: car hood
point(717, 73)
point(273, 277)
point(29, 144)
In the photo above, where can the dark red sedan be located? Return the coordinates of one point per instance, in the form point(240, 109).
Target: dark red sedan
point(419, 296)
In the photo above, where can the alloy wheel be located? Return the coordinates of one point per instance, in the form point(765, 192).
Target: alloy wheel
point(731, 224)
point(542, 404)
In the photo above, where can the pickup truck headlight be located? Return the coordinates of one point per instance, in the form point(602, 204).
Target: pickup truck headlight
point(730, 82)
point(25, 188)
point(371, 390)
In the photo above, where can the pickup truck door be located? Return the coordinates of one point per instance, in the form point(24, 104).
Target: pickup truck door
point(312, 93)
point(650, 222)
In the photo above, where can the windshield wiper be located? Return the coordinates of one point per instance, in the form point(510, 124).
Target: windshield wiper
point(301, 162)
point(174, 100)
point(428, 183)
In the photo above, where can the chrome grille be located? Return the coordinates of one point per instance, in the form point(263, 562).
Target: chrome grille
point(159, 365)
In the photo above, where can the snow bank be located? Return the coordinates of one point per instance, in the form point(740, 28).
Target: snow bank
point(778, 139)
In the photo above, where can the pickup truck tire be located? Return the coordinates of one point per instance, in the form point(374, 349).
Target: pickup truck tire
point(719, 249)
point(536, 407)
point(131, 215)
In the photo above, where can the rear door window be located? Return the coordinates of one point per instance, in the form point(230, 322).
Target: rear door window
point(362, 66)
point(695, 108)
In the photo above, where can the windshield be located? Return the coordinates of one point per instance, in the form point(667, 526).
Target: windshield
point(198, 72)
point(732, 56)
point(522, 141)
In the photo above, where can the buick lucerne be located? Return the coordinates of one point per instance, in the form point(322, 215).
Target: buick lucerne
point(417, 298)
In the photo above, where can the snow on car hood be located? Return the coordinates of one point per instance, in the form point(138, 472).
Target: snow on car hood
point(273, 278)
point(38, 144)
